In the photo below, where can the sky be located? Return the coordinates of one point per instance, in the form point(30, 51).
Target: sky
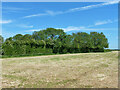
point(27, 17)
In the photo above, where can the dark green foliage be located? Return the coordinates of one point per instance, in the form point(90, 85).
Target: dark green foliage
point(17, 37)
point(107, 50)
point(99, 42)
point(53, 41)
point(1, 42)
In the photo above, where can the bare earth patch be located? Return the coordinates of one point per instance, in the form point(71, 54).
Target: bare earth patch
point(82, 70)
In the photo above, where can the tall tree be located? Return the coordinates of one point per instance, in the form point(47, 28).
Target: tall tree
point(17, 37)
point(99, 41)
point(53, 40)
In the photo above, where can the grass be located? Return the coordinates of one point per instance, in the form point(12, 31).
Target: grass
point(81, 70)
point(26, 55)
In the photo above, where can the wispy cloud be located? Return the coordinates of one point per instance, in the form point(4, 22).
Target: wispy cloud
point(75, 28)
point(5, 21)
point(88, 28)
point(92, 6)
point(52, 13)
point(103, 22)
point(71, 28)
point(32, 30)
point(25, 26)
point(48, 12)
point(12, 9)
point(34, 15)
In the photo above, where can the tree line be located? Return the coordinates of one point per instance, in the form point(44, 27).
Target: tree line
point(53, 40)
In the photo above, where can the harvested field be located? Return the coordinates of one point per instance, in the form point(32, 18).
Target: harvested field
point(82, 70)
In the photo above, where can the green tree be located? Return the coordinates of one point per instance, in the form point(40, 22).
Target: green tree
point(1, 42)
point(53, 40)
point(99, 41)
point(17, 37)
point(8, 48)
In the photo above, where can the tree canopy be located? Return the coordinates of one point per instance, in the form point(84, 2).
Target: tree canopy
point(53, 40)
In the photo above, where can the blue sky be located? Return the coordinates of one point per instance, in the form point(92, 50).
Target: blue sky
point(27, 17)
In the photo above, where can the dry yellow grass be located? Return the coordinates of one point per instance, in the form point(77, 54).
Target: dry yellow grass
point(83, 70)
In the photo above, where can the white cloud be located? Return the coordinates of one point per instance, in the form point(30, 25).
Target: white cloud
point(32, 30)
point(103, 22)
point(74, 28)
point(5, 21)
point(13, 9)
point(92, 6)
point(52, 13)
point(111, 2)
point(34, 15)
point(88, 28)
point(71, 28)
point(48, 12)
point(25, 26)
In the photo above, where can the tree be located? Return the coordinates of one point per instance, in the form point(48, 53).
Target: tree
point(53, 40)
point(26, 37)
point(1, 42)
point(9, 39)
point(17, 37)
point(81, 42)
point(1, 39)
point(8, 48)
point(48, 33)
point(99, 41)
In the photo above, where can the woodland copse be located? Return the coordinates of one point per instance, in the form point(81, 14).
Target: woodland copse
point(53, 41)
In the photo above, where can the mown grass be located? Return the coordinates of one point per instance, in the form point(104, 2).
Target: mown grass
point(81, 70)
